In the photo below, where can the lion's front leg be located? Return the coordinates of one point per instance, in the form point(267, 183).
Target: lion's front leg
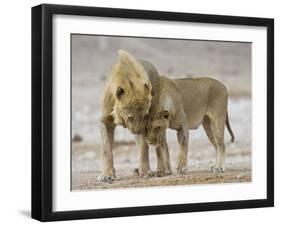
point(107, 137)
point(183, 136)
point(144, 167)
point(168, 168)
point(163, 162)
point(163, 159)
point(160, 172)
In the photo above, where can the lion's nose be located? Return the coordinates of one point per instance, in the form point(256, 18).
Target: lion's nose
point(145, 130)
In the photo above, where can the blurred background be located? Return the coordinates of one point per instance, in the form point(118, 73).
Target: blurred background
point(92, 59)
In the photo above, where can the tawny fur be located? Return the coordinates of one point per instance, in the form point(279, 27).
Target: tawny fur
point(126, 101)
point(185, 104)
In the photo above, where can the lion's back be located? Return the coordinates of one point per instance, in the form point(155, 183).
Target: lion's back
point(200, 96)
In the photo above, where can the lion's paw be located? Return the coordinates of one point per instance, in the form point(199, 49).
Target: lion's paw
point(163, 172)
point(182, 170)
point(147, 174)
point(215, 169)
point(106, 178)
point(143, 174)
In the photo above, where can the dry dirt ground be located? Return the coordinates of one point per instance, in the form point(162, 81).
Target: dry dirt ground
point(125, 156)
point(87, 181)
point(229, 62)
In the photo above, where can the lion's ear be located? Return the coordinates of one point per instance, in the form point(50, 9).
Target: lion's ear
point(119, 92)
point(126, 57)
point(127, 60)
point(166, 114)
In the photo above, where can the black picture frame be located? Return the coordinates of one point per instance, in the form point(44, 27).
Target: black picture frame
point(42, 107)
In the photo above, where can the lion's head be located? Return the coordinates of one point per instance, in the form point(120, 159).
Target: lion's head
point(131, 89)
point(159, 118)
point(156, 127)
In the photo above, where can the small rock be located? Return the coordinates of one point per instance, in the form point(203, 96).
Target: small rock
point(239, 177)
point(77, 138)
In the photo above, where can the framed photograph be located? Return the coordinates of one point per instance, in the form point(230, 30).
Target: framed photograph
point(145, 112)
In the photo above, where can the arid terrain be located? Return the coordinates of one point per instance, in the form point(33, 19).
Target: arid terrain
point(92, 58)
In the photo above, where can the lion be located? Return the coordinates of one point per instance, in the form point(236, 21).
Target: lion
point(126, 101)
point(183, 105)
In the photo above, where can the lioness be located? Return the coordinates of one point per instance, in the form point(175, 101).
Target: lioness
point(185, 104)
point(126, 101)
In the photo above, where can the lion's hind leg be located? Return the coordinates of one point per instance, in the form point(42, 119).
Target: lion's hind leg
point(215, 132)
point(207, 127)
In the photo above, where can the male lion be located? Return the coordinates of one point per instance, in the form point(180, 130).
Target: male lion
point(126, 101)
point(184, 104)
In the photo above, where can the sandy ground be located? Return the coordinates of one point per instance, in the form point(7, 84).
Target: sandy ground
point(87, 181)
point(227, 62)
point(198, 173)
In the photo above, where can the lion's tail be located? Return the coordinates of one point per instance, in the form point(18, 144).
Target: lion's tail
point(229, 128)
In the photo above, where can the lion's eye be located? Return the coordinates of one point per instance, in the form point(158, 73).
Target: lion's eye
point(131, 118)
